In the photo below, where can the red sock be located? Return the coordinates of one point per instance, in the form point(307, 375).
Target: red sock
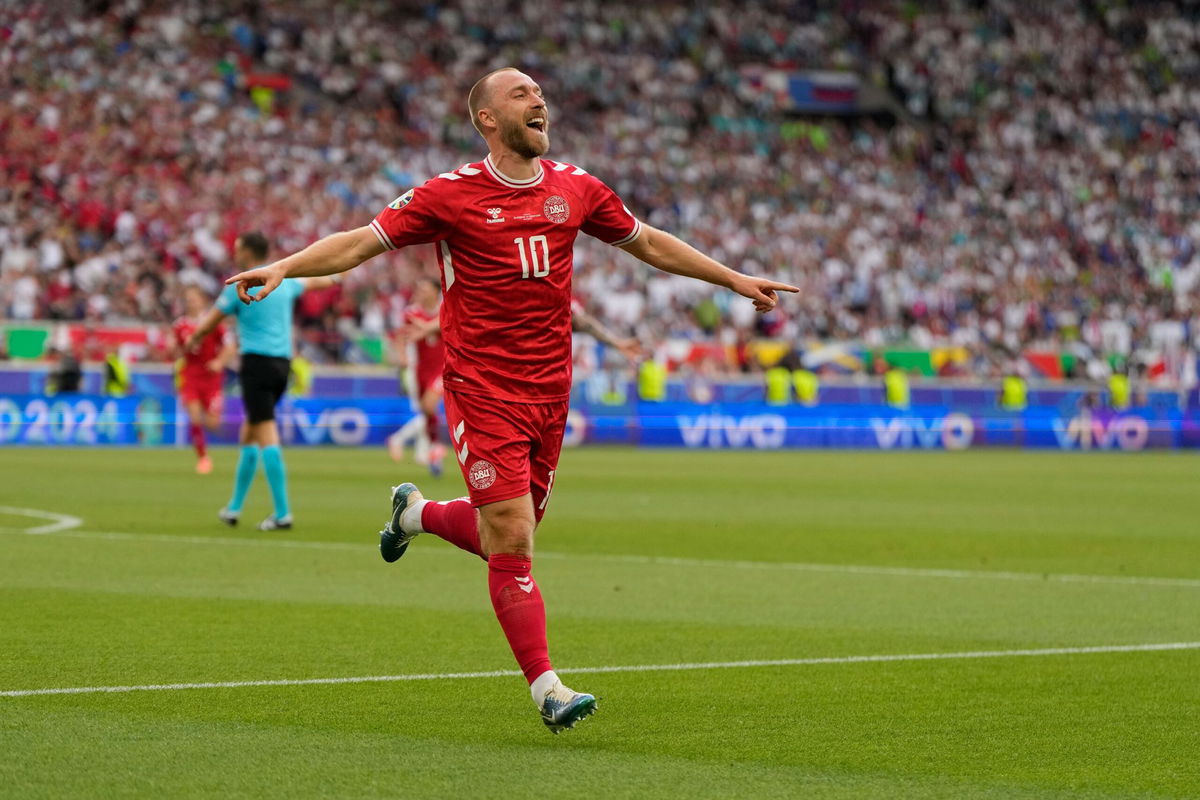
point(431, 427)
point(518, 604)
point(198, 442)
point(456, 521)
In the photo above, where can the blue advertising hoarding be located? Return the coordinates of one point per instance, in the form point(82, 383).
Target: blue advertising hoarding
point(155, 420)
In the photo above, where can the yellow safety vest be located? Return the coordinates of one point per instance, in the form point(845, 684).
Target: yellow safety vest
point(303, 377)
point(652, 381)
point(116, 376)
point(1118, 391)
point(779, 386)
point(1012, 393)
point(808, 386)
point(895, 388)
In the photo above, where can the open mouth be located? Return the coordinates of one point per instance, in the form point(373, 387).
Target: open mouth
point(537, 123)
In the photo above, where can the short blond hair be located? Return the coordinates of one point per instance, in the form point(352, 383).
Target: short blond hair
point(481, 95)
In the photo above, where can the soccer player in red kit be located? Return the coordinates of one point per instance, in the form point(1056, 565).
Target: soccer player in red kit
point(200, 377)
point(503, 230)
point(422, 331)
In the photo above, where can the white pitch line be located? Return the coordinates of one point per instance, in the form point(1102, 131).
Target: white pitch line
point(672, 561)
point(902, 572)
point(58, 522)
point(781, 662)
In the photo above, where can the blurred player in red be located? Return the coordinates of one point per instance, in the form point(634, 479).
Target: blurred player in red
point(200, 376)
point(420, 341)
point(504, 230)
point(422, 331)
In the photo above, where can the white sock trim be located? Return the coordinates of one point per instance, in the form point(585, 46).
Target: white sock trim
point(542, 684)
point(410, 520)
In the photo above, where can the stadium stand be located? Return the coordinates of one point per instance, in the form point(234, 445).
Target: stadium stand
point(1032, 195)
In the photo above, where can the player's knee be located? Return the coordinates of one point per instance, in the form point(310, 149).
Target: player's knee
point(508, 530)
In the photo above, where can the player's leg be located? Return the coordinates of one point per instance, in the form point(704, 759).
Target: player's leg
point(257, 400)
point(214, 404)
point(494, 443)
point(408, 432)
point(267, 434)
point(507, 531)
point(431, 398)
point(195, 415)
point(561, 707)
point(456, 521)
point(243, 476)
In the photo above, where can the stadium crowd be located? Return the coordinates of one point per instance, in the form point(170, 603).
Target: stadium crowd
point(1039, 189)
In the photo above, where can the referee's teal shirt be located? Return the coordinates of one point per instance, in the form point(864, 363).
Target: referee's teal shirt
point(264, 328)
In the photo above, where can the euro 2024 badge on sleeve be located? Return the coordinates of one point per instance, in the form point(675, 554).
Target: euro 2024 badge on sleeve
point(401, 201)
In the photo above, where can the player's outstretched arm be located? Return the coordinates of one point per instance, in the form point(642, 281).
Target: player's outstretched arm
point(210, 321)
point(334, 254)
point(584, 322)
point(663, 251)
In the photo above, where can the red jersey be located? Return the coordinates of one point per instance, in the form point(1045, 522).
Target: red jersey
point(196, 362)
point(505, 248)
point(430, 352)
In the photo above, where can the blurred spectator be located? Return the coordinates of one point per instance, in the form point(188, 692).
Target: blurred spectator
point(67, 375)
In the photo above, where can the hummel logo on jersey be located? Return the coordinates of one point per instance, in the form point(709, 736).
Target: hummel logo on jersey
point(525, 584)
point(494, 212)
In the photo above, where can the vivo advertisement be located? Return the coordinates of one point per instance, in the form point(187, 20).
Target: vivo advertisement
point(158, 420)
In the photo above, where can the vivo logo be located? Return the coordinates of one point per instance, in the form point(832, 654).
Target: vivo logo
point(953, 432)
point(1089, 433)
point(761, 431)
point(347, 426)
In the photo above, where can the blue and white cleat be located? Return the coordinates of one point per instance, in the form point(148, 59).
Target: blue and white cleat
point(393, 540)
point(562, 708)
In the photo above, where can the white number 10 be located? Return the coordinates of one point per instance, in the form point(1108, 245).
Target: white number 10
point(541, 266)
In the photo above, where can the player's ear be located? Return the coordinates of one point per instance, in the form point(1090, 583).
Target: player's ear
point(486, 118)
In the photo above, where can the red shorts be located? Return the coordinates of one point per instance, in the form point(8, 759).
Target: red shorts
point(428, 382)
point(506, 449)
point(204, 389)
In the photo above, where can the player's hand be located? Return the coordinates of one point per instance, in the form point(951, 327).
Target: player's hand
point(762, 291)
point(631, 349)
point(214, 365)
point(268, 278)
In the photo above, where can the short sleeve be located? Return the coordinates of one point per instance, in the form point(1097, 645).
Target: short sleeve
point(608, 219)
point(418, 216)
point(227, 301)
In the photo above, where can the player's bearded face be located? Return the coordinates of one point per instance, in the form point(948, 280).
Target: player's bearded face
point(526, 133)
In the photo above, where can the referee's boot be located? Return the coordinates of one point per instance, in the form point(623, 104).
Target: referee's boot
point(393, 539)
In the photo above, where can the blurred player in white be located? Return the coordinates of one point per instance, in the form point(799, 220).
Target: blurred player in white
point(504, 230)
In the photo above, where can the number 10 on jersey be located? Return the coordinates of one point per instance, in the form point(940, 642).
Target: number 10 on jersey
point(540, 263)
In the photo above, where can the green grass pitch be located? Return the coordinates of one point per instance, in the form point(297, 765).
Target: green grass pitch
point(646, 558)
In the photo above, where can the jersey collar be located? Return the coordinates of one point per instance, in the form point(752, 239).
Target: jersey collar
point(513, 183)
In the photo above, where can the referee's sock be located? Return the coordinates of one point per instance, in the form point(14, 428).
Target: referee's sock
point(244, 476)
point(272, 458)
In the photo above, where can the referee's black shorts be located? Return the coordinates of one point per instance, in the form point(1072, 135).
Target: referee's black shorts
point(264, 380)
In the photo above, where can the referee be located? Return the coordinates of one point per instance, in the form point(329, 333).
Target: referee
point(265, 343)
